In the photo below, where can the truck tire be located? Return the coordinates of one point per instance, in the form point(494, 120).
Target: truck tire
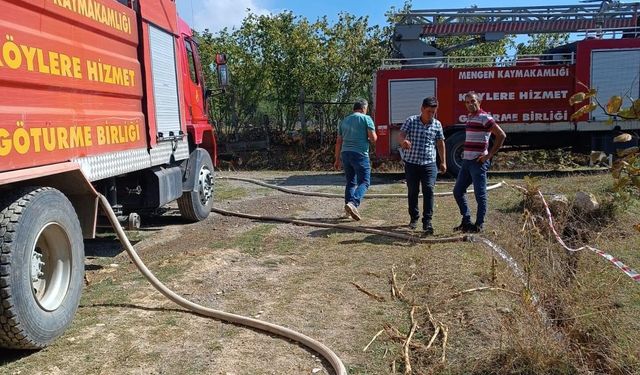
point(455, 146)
point(195, 204)
point(41, 266)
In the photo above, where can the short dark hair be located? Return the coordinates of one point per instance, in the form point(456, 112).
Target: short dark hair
point(471, 94)
point(430, 101)
point(360, 104)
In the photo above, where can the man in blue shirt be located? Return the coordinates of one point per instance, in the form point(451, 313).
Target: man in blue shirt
point(419, 137)
point(352, 152)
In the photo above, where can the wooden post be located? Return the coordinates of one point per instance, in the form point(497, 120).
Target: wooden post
point(303, 120)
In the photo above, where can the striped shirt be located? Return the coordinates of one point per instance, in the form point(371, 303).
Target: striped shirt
point(423, 139)
point(478, 131)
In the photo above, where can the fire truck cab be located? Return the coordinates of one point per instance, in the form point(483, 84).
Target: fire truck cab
point(98, 96)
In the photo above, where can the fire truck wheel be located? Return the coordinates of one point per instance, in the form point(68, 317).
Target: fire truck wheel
point(41, 266)
point(455, 146)
point(195, 205)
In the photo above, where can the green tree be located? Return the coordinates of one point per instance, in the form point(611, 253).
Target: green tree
point(539, 43)
point(273, 57)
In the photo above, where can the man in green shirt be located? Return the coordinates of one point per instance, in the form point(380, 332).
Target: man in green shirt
point(352, 153)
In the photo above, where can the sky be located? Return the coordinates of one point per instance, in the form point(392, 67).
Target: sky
point(217, 14)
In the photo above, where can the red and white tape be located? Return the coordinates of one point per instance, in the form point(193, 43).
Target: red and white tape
point(635, 276)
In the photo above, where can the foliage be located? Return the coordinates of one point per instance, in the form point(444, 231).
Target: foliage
point(626, 169)
point(540, 43)
point(272, 59)
point(626, 172)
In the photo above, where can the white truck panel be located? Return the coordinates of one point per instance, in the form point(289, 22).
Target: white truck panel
point(614, 72)
point(165, 81)
point(406, 95)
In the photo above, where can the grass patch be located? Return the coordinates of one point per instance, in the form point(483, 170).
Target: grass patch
point(218, 245)
point(286, 246)
point(257, 240)
point(252, 241)
point(106, 291)
point(226, 192)
point(580, 292)
point(170, 271)
point(304, 282)
point(265, 191)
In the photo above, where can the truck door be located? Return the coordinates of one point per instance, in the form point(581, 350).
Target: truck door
point(194, 87)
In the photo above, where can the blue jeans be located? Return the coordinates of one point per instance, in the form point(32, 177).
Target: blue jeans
point(357, 170)
point(474, 173)
point(417, 175)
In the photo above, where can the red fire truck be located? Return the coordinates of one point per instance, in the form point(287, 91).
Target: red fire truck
point(98, 96)
point(527, 95)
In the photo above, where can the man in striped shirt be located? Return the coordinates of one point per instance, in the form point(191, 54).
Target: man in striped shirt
point(476, 160)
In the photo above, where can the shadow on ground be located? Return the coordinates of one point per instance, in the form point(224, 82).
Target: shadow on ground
point(7, 355)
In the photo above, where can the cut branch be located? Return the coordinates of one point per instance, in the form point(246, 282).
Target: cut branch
point(445, 329)
point(407, 359)
point(407, 282)
point(433, 322)
point(372, 295)
point(396, 336)
point(481, 289)
point(433, 338)
point(372, 340)
point(395, 291)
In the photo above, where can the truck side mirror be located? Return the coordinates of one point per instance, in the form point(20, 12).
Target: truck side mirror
point(223, 77)
point(221, 70)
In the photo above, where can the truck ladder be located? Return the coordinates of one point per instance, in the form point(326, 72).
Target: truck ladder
point(519, 20)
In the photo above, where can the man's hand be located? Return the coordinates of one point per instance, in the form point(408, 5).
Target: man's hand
point(405, 144)
point(337, 165)
point(442, 168)
point(483, 158)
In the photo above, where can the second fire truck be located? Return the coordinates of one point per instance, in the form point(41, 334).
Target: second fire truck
point(527, 95)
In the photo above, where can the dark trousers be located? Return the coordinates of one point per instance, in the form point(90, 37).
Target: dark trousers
point(424, 175)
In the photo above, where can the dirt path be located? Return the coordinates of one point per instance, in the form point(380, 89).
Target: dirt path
point(299, 277)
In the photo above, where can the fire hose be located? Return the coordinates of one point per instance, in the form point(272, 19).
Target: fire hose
point(310, 343)
point(333, 195)
point(493, 247)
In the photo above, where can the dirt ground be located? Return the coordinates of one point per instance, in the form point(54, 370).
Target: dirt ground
point(301, 278)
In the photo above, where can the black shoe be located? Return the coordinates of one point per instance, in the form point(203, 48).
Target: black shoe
point(413, 224)
point(475, 228)
point(427, 229)
point(464, 227)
